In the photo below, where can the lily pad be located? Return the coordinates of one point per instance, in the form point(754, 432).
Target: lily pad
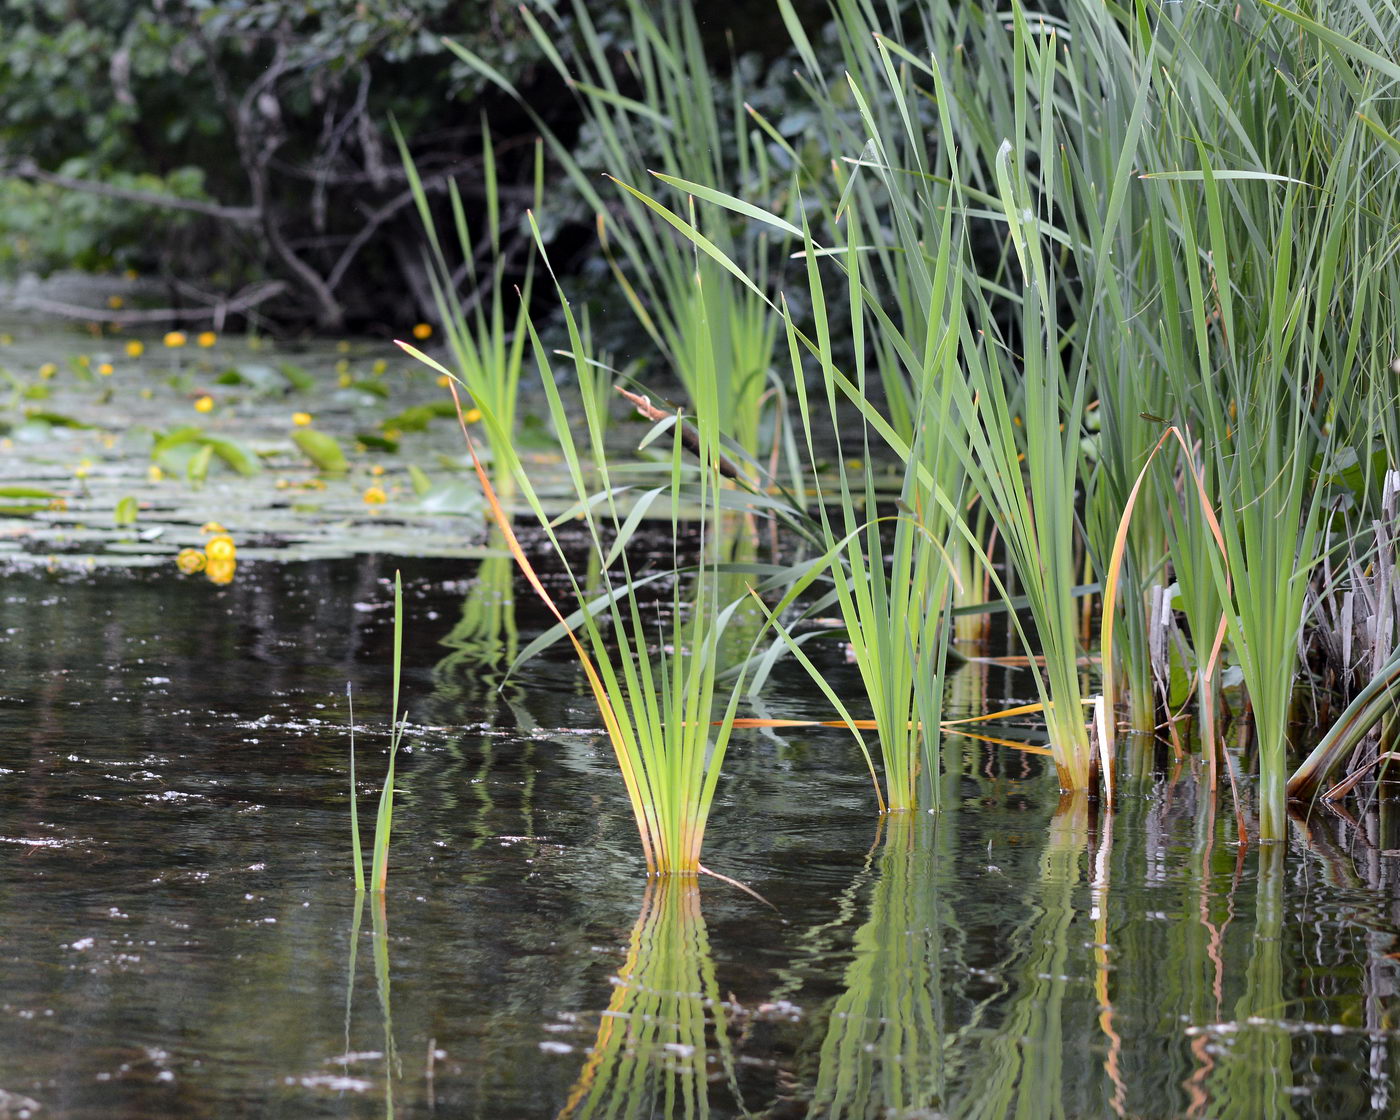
point(321, 449)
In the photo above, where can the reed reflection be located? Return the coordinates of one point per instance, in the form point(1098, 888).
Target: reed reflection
point(883, 1054)
point(664, 1036)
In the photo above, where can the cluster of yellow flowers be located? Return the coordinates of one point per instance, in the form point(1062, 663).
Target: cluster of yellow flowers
point(218, 560)
point(176, 339)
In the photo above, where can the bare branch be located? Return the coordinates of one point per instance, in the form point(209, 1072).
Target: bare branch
point(238, 215)
point(248, 298)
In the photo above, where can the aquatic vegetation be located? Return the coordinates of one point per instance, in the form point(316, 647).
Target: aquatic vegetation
point(384, 816)
point(655, 681)
point(487, 346)
point(691, 129)
point(190, 560)
point(219, 547)
point(322, 449)
point(892, 586)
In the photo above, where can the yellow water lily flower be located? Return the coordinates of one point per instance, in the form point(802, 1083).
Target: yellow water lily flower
point(380, 365)
point(375, 496)
point(204, 404)
point(472, 415)
point(206, 339)
point(377, 469)
point(221, 571)
point(211, 527)
point(115, 302)
point(135, 348)
point(47, 370)
point(83, 361)
point(422, 331)
point(344, 379)
point(174, 339)
point(301, 419)
point(105, 369)
point(220, 547)
point(154, 473)
point(443, 380)
point(190, 560)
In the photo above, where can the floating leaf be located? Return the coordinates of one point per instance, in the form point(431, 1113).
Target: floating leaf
point(417, 418)
point(125, 513)
point(197, 469)
point(421, 482)
point(452, 496)
point(236, 455)
point(57, 420)
point(377, 442)
point(174, 438)
point(298, 378)
point(322, 450)
point(24, 500)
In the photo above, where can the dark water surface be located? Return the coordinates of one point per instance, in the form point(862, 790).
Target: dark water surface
point(179, 936)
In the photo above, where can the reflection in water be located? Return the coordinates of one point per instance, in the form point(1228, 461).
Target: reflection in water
point(1254, 1075)
point(172, 856)
point(379, 921)
point(883, 1052)
point(652, 1054)
point(1019, 1069)
point(485, 635)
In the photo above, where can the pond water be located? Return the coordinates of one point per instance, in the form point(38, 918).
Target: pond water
point(180, 936)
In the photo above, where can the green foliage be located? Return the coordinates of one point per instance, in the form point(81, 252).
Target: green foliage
point(321, 449)
point(190, 451)
point(253, 136)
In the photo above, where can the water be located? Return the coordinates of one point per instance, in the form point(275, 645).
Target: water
point(180, 937)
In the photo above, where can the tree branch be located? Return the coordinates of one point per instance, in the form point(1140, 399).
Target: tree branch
point(238, 215)
point(249, 298)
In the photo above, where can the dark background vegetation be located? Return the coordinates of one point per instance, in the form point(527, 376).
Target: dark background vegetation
point(238, 156)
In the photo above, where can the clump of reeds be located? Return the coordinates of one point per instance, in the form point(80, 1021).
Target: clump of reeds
point(652, 666)
point(1058, 240)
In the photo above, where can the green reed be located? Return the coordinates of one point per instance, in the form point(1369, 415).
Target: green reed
point(686, 125)
point(653, 670)
point(1276, 259)
point(384, 815)
point(486, 343)
point(1037, 284)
